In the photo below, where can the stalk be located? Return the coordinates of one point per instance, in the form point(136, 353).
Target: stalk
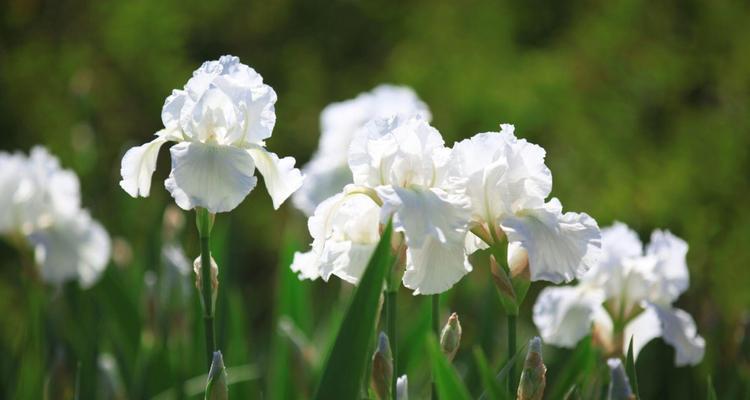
point(204, 229)
point(511, 353)
point(436, 329)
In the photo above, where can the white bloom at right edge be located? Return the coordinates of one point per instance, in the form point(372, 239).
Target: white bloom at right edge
point(401, 169)
point(507, 183)
point(328, 170)
point(629, 288)
point(220, 121)
point(40, 202)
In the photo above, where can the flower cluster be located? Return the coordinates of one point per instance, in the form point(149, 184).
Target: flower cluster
point(328, 169)
point(41, 204)
point(629, 294)
point(220, 121)
point(492, 185)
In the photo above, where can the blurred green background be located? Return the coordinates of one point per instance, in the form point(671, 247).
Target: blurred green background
point(642, 107)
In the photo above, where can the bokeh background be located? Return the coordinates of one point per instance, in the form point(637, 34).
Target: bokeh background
point(642, 107)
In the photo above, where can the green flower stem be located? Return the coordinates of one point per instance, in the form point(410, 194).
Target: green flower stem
point(204, 229)
point(436, 329)
point(511, 353)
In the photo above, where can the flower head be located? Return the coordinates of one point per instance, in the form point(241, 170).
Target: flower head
point(41, 202)
point(629, 288)
point(220, 121)
point(508, 183)
point(400, 169)
point(328, 170)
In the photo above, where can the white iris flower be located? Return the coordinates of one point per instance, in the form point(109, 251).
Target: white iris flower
point(507, 183)
point(400, 168)
point(40, 202)
point(220, 121)
point(629, 288)
point(328, 170)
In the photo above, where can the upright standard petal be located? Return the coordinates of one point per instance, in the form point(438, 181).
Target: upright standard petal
point(280, 176)
point(564, 315)
point(214, 177)
point(675, 326)
point(560, 246)
point(138, 165)
point(670, 268)
point(74, 248)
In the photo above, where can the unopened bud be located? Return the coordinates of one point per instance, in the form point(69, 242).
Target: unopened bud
point(518, 262)
point(619, 384)
point(382, 368)
point(216, 387)
point(402, 388)
point(214, 280)
point(450, 337)
point(534, 374)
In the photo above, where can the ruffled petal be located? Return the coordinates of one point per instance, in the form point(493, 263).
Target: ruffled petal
point(560, 246)
point(321, 182)
point(345, 231)
point(138, 165)
point(214, 177)
point(436, 266)
point(670, 266)
point(425, 213)
point(280, 176)
point(306, 265)
point(675, 326)
point(75, 248)
point(564, 315)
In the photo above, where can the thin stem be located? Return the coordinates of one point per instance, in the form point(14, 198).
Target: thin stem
point(391, 313)
point(204, 228)
point(436, 329)
point(511, 353)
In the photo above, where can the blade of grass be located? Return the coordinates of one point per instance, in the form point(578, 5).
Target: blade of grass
point(579, 365)
point(447, 381)
point(344, 369)
point(492, 389)
point(710, 391)
point(630, 369)
point(504, 373)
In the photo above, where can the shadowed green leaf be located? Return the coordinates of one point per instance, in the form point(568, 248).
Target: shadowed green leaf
point(580, 365)
point(344, 369)
point(492, 388)
point(449, 385)
point(710, 391)
point(630, 369)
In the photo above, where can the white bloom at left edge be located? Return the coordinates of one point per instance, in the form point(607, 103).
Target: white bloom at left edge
point(507, 183)
point(401, 169)
point(220, 121)
point(40, 201)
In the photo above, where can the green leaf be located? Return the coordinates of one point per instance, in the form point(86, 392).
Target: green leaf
point(579, 366)
point(711, 392)
point(292, 306)
point(493, 389)
point(345, 367)
point(630, 369)
point(449, 384)
point(502, 376)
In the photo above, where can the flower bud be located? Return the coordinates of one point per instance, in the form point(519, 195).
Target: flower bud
point(619, 384)
point(216, 388)
point(450, 337)
point(533, 376)
point(214, 281)
point(402, 388)
point(382, 368)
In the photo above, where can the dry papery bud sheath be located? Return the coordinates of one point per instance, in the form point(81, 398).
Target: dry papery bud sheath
point(619, 384)
point(450, 337)
point(214, 280)
point(534, 374)
point(382, 368)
